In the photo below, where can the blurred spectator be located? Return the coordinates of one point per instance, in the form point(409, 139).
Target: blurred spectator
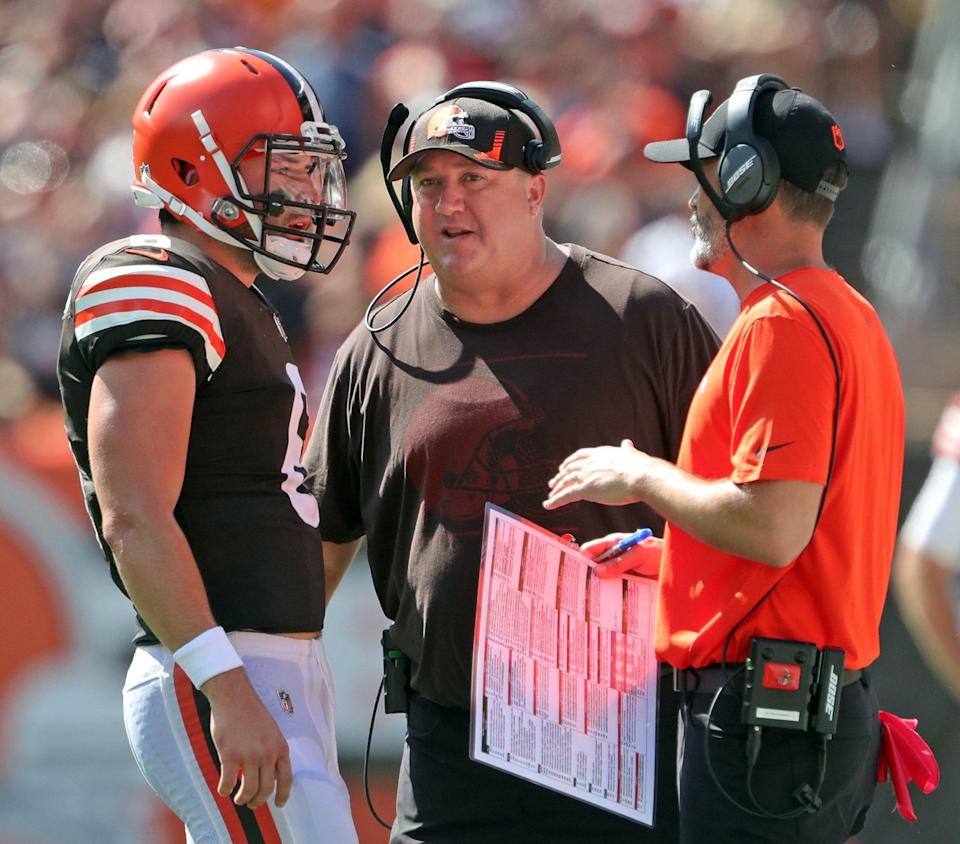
point(928, 558)
point(616, 75)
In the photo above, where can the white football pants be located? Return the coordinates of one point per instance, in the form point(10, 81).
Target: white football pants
point(168, 726)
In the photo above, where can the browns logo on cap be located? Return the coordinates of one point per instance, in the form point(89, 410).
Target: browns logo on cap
point(489, 134)
point(450, 119)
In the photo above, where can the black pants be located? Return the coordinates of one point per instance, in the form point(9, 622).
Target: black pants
point(444, 797)
point(786, 761)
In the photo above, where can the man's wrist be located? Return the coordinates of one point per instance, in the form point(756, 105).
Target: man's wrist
point(644, 477)
point(207, 655)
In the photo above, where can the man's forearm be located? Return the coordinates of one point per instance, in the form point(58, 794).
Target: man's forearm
point(767, 521)
point(747, 520)
point(160, 575)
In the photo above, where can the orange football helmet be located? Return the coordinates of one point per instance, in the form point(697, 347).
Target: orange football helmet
point(204, 116)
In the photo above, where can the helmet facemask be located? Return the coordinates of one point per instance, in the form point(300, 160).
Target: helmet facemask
point(293, 217)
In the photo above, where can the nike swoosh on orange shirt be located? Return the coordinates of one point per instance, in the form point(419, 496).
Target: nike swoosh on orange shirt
point(760, 452)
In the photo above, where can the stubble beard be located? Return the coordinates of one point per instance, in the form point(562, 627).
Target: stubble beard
point(709, 242)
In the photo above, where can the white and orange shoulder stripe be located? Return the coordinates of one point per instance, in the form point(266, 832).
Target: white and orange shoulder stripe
point(150, 292)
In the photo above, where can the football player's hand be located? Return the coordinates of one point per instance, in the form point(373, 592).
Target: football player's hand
point(642, 559)
point(249, 742)
point(606, 474)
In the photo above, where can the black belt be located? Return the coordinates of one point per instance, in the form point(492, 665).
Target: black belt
point(709, 678)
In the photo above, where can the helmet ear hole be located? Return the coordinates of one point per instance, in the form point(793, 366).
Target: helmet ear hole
point(186, 171)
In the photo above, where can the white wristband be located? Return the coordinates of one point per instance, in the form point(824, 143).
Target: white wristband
point(207, 655)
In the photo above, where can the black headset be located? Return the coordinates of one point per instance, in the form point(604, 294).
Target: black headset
point(749, 172)
point(539, 154)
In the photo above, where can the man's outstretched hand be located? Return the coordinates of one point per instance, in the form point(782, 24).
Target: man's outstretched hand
point(606, 474)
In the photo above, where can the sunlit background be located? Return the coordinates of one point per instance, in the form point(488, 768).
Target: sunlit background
point(614, 75)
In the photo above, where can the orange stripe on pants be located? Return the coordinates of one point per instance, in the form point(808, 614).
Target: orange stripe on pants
point(211, 771)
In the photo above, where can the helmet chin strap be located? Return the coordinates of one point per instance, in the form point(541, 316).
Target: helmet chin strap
point(287, 249)
point(156, 196)
point(226, 172)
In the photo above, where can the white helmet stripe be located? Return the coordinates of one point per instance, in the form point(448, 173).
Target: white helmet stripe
point(226, 171)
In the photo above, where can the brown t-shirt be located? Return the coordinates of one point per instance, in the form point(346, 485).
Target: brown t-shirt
point(422, 424)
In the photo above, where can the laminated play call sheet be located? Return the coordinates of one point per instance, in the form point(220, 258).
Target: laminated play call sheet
point(564, 672)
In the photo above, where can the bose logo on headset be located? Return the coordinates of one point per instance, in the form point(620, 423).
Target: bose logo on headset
point(739, 173)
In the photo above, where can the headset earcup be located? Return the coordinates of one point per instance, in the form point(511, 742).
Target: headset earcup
point(535, 156)
point(740, 176)
point(749, 176)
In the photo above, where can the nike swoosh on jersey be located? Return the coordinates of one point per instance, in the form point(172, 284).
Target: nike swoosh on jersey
point(157, 253)
point(125, 295)
point(761, 452)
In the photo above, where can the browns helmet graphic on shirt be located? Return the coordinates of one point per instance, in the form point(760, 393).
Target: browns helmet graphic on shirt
point(492, 457)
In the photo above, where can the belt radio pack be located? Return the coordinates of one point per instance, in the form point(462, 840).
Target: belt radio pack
point(787, 686)
point(792, 686)
point(396, 676)
point(395, 688)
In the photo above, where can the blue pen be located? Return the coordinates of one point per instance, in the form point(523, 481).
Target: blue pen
point(624, 545)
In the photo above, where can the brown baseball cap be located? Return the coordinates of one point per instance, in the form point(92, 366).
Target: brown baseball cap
point(486, 133)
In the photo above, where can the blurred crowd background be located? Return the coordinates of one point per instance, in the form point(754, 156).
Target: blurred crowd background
point(614, 75)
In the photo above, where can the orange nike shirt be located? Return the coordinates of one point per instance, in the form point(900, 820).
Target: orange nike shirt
point(764, 411)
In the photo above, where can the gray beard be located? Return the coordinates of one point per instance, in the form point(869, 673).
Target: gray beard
point(709, 243)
